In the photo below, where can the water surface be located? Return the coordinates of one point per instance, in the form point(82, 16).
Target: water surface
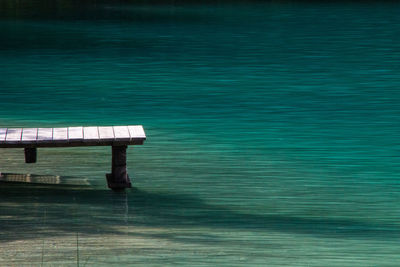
point(272, 133)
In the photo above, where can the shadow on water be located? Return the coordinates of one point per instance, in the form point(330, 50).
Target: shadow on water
point(69, 209)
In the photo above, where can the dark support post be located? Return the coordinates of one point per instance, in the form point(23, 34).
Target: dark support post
point(30, 154)
point(118, 179)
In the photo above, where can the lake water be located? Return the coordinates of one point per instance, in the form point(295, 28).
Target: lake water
point(273, 133)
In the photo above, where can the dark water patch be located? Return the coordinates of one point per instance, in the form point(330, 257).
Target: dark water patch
point(98, 11)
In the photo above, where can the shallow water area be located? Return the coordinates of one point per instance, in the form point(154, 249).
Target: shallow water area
point(272, 133)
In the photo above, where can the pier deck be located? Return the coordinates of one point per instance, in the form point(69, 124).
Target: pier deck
point(118, 137)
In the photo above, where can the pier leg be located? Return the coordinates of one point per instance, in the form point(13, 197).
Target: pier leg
point(30, 154)
point(118, 179)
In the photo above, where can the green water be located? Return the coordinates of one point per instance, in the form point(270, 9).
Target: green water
point(273, 133)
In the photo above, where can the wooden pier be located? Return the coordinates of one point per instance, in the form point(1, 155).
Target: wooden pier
point(118, 137)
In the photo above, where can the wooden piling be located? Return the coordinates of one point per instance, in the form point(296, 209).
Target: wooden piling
point(30, 154)
point(118, 179)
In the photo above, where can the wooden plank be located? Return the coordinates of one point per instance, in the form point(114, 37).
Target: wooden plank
point(106, 133)
point(3, 132)
point(60, 134)
point(59, 137)
point(136, 131)
point(44, 135)
point(29, 134)
point(90, 133)
point(14, 135)
point(75, 133)
point(121, 133)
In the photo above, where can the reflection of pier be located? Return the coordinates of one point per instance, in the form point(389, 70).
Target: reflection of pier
point(41, 179)
point(120, 206)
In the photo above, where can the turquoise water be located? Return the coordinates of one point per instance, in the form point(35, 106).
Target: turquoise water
point(273, 133)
